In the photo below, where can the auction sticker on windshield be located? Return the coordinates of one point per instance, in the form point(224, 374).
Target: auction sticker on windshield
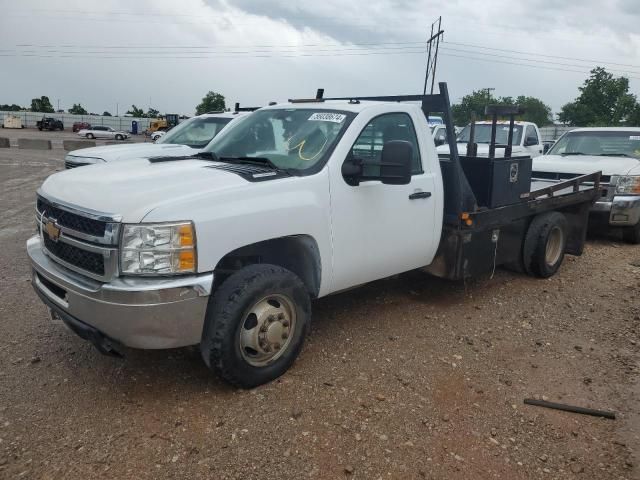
point(634, 137)
point(328, 117)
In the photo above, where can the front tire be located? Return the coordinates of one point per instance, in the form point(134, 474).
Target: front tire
point(632, 234)
point(255, 325)
point(90, 136)
point(119, 137)
point(545, 244)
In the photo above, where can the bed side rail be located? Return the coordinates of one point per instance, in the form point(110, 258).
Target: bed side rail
point(591, 179)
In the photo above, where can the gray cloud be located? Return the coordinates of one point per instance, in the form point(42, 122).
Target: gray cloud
point(317, 44)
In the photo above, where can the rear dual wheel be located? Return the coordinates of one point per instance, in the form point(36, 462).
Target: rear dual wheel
point(255, 325)
point(545, 244)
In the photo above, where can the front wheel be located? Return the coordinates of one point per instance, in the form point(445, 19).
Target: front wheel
point(255, 325)
point(632, 234)
point(90, 135)
point(119, 137)
point(545, 244)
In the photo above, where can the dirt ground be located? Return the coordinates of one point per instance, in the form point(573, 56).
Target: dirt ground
point(410, 377)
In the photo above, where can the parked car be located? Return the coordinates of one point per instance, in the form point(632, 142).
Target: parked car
point(615, 151)
point(526, 139)
point(103, 132)
point(294, 202)
point(49, 123)
point(77, 126)
point(188, 138)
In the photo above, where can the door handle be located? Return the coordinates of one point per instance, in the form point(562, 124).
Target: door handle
point(417, 195)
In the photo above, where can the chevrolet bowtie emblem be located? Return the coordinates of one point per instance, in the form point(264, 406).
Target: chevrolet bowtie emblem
point(52, 230)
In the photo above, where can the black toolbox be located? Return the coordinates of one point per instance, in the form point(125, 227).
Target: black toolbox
point(498, 181)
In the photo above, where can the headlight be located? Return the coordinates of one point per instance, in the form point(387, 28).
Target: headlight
point(628, 185)
point(158, 249)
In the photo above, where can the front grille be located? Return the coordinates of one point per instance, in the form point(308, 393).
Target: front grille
point(89, 261)
point(71, 220)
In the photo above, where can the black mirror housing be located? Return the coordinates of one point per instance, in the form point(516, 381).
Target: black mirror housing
point(395, 167)
point(529, 141)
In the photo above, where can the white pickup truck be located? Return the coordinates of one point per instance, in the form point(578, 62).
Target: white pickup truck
point(227, 248)
point(526, 139)
point(614, 151)
point(187, 138)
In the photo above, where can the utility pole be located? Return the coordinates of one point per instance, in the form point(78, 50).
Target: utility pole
point(432, 60)
point(117, 112)
point(487, 94)
point(58, 106)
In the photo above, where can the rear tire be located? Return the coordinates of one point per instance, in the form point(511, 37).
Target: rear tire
point(90, 136)
point(119, 137)
point(632, 234)
point(255, 325)
point(545, 244)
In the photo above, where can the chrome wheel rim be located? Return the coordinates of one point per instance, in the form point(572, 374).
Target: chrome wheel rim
point(553, 250)
point(267, 329)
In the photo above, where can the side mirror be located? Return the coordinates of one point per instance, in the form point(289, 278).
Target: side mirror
point(546, 147)
point(530, 141)
point(352, 170)
point(395, 165)
point(440, 141)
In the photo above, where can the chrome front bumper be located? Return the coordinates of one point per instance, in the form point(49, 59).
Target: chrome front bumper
point(149, 313)
point(623, 211)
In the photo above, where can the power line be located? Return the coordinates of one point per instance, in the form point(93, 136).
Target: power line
point(544, 55)
point(533, 60)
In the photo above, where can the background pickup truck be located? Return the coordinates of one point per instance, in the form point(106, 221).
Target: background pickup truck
point(526, 139)
point(49, 123)
point(188, 138)
point(614, 151)
point(227, 249)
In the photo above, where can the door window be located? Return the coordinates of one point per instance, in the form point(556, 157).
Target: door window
point(531, 135)
point(382, 129)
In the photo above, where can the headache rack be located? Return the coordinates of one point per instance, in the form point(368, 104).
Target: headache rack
point(459, 197)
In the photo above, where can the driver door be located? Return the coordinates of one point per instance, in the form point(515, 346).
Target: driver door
point(381, 230)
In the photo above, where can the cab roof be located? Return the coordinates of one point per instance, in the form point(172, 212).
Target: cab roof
point(345, 105)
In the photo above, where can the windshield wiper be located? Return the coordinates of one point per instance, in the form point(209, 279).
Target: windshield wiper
point(252, 160)
point(207, 156)
point(615, 155)
point(572, 153)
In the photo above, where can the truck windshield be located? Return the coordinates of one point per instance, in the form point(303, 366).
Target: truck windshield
point(483, 134)
point(295, 139)
point(196, 132)
point(617, 143)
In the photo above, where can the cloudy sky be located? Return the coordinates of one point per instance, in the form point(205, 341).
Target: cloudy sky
point(167, 54)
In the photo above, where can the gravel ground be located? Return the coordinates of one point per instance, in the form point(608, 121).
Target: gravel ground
point(410, 377)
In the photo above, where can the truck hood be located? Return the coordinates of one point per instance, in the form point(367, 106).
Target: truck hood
point(483, 150)
point(143, 186)
point(584, 164)
point(111, 153)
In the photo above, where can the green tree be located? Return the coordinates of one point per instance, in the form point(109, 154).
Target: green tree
point(78, 109)
point(535, 110)
point(10, 108)
point(475, 102)
point(153, 113)
point(604, 100)
point(212, 102)
point(136, 112)
point(42, 104)
point(106, 114)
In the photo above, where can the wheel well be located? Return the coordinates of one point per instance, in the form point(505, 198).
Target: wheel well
point(298, 253)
